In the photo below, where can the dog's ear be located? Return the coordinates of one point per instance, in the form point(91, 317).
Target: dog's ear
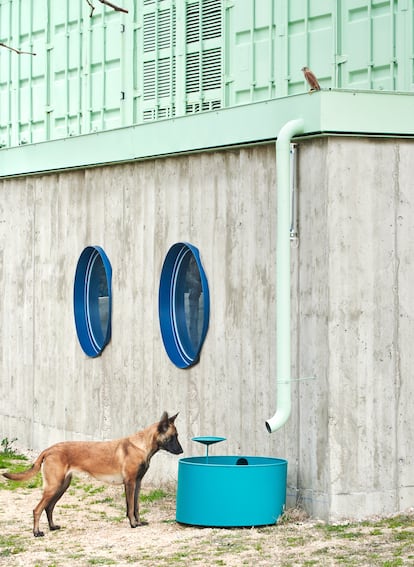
point(173, 418)
point(164, 423)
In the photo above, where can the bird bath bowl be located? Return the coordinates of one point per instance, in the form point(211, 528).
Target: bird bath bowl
point(230, 491)
point(207, 441)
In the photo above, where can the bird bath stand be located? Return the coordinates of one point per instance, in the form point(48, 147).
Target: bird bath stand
point(207, 441)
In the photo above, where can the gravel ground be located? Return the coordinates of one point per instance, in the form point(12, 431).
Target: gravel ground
point(95, 531)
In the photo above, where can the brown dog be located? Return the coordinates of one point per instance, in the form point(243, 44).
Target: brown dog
point(120, 461)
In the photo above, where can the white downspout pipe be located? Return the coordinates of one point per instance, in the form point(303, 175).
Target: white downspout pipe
point(283, 357)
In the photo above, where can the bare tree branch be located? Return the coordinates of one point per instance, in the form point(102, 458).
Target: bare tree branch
point(107, 3)
point(16, 50)
point(92, 8)
point(113, 6)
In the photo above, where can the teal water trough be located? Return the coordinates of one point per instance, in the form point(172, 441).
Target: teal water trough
point(230, 491)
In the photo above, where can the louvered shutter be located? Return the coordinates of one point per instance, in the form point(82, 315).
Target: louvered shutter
point(203, 81)
point(158, 59)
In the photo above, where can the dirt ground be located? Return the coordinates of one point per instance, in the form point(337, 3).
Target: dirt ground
point(95, 531)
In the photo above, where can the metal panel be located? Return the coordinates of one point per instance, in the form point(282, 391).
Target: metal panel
point(5, 77)
point(65, 71)
point(408, 53)
point(169, 58)
point(404, 37)
point(250, 49)
point(73, 84)
point(368, 44)
point(22, 77)
point(310, 43)
point(102, 71)
point(269, 43)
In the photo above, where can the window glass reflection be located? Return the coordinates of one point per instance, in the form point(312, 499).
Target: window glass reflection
point(193, 303)
point(99, 275)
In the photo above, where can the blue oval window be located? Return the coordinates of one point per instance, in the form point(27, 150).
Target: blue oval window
point(92, 300)
point(184, 304)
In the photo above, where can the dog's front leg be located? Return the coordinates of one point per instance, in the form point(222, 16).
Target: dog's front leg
point(136, 500)
point(130, 488)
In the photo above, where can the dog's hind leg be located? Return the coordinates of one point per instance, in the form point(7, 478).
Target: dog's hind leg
point(48, 495)
point(57, 496)
point(53, 489)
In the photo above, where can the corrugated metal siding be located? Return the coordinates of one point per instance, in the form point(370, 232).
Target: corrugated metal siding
point(84, 70)
point(310, 41)
point(369, 44)
point(169, 58)
point(73, 84)
point(252, 53)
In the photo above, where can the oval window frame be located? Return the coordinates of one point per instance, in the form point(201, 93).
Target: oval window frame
point(173, 324)
point(91, 337)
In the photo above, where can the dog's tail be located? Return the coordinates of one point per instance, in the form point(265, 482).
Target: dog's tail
point(29, 473)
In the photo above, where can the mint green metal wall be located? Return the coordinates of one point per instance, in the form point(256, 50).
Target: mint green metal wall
point(169, 58)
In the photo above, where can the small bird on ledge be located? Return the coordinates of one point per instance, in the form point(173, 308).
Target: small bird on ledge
point(311, 79)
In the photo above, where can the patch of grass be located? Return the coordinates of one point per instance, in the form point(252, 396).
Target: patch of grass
point(106, 500)
point(8, 460)
point(238, 545)
point(404, 535)
point(393, 563)
point(50, 550)
point(101, 561)
point(134, 559)
point(153, 496)
point(69, 506)
point(17, 463)
point(75, 555)
point(295, 541)
point(182, 557)
point(346, 531)
point(34, 482)
point(91, 489)
point(322, 551)
point(334, 528)
point(347, 561)
point(352, 534)
point(6, 446)
point(11, 545)
point(117, 519)
point(399, 521)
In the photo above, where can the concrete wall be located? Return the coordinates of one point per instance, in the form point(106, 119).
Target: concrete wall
point(350, 439)
point(355, 316)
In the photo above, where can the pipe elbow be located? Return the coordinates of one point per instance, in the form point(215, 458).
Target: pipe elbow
point(278, 420)
point(289, 130)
